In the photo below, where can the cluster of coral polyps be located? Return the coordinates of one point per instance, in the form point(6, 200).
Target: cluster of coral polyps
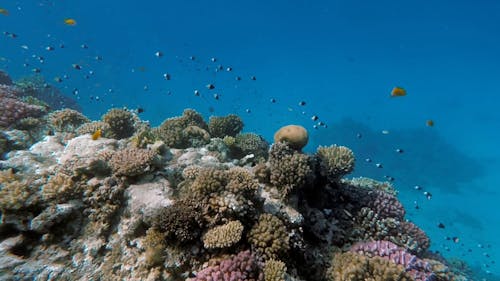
point(118, 200)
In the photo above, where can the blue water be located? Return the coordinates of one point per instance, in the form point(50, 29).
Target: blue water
point(341, 57)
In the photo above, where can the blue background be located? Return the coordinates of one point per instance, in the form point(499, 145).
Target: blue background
point(341, 57)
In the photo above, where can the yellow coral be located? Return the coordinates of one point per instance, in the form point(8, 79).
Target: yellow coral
point(269, 237)
point(223, 236)
point(336, 161)
point(274, 270)
point(296, 136)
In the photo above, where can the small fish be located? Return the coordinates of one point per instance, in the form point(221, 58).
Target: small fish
point(70, 22)
point(192, 57)
point(398, 92)
point(197, 93)
point(247, 110)
point(429, 123)
point(4, 12)
point(399, 150)
point(428, 195)
point(216, 96)
point(379, 165)
point(253, 78)
point(238, 78)
point(84, 46)
point(417, 187)
point(76, 66)
point(314, 118)
point(159, 54)
point(302, 103)
point(273, 100)
point(213, 59)
point(359, 135)
point(166, 76)
point(98, 58)
point(97, 134)
point(441, 225)
point(385, 132)
point(49, 48)
point(58, 79)
point(368, 160)
point(210, 86)
point(456, 239)
point(140, 110)
point(229, 69)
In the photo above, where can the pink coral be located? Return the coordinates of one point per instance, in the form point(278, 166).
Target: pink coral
point(419, 269)
point(13, 109)
point(242, 266)
point(386, 205)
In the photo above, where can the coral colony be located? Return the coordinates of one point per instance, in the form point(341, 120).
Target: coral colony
point(115, 199)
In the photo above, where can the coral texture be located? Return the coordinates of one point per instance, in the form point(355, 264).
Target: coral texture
point(269, 237)
point(121, 123)
point(12, 109)
point(67, 120)
point(132, 161)
point(242, 266)
point(174, 132)
point(274, 270)
point(223, 236)
point(335, 161)
point(92, 127)
point(221, 126)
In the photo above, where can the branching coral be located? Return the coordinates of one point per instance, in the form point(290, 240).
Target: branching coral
point(335, 161)
point(180, 222)
point(269, 237)
point(174, 132)
point(12, 109)
point(132, 161)
point(221, 126)
point(67, 120)
point(121, 122)
point(274, 270)
point(242, 266)
point(289, 169)
point(355, 267)
point(16, 191)
point(223, 236)
point(92, 127)
point(155, 245)
point(61, 188)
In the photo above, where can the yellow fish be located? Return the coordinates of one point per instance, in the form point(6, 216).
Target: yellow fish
point(97, 134)
point(70, 21)
point(4, 12)
point(429, 123)
point(398, 92)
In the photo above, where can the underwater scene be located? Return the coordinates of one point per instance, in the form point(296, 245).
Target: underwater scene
point(249, 140)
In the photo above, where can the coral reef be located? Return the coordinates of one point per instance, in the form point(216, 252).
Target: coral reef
point(67, 120)
point(221, 126)
point(74, 207)
point(296, 136)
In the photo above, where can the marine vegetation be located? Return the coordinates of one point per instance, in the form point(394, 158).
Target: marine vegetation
point(177, 202)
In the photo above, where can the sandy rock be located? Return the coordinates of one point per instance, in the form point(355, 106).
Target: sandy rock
point(52, 215)
point(145, 198)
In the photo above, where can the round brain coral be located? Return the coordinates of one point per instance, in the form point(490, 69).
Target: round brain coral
point(223, 236)
point(296, 136)
point(269, 237)
point(335, 161)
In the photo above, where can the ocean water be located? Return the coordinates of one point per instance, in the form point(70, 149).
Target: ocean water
point(339, 58)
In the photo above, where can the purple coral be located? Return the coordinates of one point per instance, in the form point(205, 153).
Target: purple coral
point(385, 205)
point(242, 266)
point(419, 269)
point(13, 109)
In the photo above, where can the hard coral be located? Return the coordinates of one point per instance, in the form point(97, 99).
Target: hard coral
point(121, 122)
point(12, 109)
point(132, 161)
point(335, 161)
point(223, 236)
point(296, 136)
point(418, 269)
point(174, 132)
point(274, 270)
point(269, 237)
point(221, 126)
point(242, 266)
point(67, 120)
point(289, 169)
point(249, 143)
point(355, 267)
point(92, 127)
point(181, 222)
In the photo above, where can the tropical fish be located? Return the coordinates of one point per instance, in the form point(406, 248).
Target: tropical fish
point(429, 123)
point(4, 12)
point(70, 21)
point(398, 92)
point(97, 134)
